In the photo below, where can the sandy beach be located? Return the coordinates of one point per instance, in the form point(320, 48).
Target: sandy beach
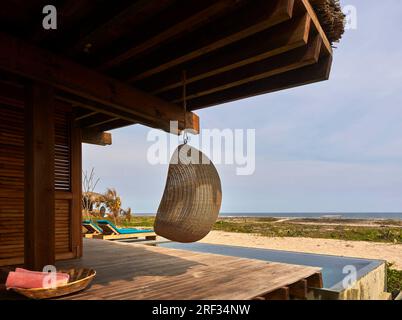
point(360, 249)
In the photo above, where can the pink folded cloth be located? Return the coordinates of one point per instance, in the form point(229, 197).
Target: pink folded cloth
point(22, 278)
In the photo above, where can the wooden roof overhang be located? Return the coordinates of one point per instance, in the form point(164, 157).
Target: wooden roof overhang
point(122, 63)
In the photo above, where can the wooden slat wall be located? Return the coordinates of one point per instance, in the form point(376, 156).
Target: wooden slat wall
point(63, 178)
point(12, 179)
point(62, 150)
point(63, 219)
point(11, 182)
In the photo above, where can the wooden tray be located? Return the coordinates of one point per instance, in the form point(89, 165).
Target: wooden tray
point(80, 279)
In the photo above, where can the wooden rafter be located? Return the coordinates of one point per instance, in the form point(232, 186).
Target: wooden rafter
point(306, 75)
point(112, 125)
point(133, 15)
point(317, 24)
point(71, 11)
point(261, 16)
point(75, 20)
point(17, 57)
point(96, 121)
point(96, 107)
point(85, 114)
point(274, 41)
point(230, 50)
point(288, 61)
point(190, 23)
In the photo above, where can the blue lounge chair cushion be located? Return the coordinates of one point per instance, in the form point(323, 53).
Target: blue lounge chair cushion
point(93, 225)
point(123, 230)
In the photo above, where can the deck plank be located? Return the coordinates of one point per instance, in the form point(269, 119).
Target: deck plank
point(136, 271)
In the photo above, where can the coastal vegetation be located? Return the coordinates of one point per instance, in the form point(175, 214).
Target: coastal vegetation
point(319, 229)
point(394, 279)
point(376, 231)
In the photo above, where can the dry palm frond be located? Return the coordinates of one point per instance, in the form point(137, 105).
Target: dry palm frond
point(113, 202)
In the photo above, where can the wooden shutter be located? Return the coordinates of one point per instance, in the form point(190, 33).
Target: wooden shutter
point(63, 178)
point(62, 149)
point(67, 205)
point(11, 175)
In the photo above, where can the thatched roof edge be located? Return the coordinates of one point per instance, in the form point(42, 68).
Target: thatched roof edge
point(331, 17)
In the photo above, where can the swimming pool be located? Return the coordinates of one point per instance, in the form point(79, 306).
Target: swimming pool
point(333, 267)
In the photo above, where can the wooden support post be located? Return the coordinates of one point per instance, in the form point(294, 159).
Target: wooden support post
point(76, 183)
point(39, 243)
point(298, 290)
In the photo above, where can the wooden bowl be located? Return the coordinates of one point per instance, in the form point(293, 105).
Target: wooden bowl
point(79, 280)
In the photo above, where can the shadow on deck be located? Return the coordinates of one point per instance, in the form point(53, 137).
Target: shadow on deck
point(137, 271)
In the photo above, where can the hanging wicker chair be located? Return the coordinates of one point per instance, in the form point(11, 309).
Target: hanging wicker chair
point(192, 198)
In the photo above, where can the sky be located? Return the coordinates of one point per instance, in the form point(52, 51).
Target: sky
point(334, 146)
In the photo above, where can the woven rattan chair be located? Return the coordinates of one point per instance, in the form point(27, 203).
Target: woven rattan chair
point(192, 198)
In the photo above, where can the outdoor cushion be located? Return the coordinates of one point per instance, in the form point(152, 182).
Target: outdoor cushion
point(124, 230)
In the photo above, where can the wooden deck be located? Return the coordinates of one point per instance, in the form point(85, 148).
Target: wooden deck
point(136, 271)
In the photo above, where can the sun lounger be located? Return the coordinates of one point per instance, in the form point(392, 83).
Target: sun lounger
point(112, 232)
point(92, 229)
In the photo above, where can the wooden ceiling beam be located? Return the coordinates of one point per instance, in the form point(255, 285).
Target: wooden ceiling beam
point(260, 16)
point(95, 107)
point(99, 123)
point(187, 25)
point(288, 61)
point(68, 13)
point(85, 114)
point(75, 20)
point(40, 65)
point(306, 75)
point(282, 38)
point(99, 138)
point(116, 124)
point(127, 19)
point(95, 121)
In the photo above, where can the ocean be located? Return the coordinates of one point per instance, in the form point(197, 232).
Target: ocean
point(344, 215)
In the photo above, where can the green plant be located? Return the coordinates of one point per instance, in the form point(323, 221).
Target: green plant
point(394, 279)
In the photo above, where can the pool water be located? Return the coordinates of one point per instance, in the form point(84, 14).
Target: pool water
point(333, 267)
